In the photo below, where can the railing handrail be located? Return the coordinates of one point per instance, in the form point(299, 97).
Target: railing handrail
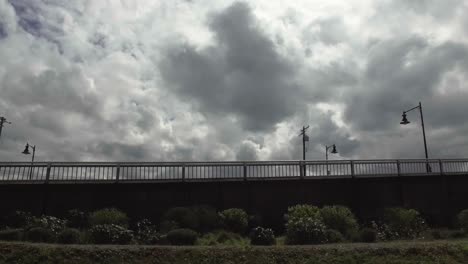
point(219, 162)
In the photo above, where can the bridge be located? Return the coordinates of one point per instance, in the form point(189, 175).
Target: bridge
point(135, 172)
point(436, 187)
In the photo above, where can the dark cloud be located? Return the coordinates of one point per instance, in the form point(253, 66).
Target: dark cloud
point(242, 74)
point(399, 74)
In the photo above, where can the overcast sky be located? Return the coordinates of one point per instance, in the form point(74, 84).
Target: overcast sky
point(129, 80)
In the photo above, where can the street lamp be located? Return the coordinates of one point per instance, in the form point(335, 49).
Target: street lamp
point(333, 151)
point(26, 152)
point(404, 121)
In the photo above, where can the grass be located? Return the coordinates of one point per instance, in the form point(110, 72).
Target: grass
point(449, 252)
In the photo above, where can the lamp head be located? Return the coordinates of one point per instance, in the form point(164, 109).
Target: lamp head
point(404, 121)
point(334, 149)
point(26, 150)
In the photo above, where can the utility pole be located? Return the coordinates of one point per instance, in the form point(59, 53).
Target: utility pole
point(2, 121)
point(304, 139)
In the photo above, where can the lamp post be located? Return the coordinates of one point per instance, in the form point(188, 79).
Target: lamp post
point(405, 121)
point(333, 151)
point(26, 152)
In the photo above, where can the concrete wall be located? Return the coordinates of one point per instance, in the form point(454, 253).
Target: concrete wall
point(438, 198)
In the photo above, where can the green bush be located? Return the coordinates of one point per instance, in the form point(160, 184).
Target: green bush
point(208, 218)
point(77, 219)
point(110, 234)
point(40, 234)
point(340, 218)
point(52, 223)
point(262, 236)
point(11, 234)
point(462, 218)
point(403, 223)
point(182, 236)
point(368, 235)
point(18, 219)
point(304, 225)
point(167, 226)
point(306, 230)
point(333, 236)
point(235, 220)
point(146, 233)
point(183, 217)
point(222, 237)
point(108, 216)
point(69, 236)
point(302, 211)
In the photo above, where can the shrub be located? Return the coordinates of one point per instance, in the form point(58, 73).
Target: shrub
point(262, 236)
point(146, 233)
point(368, 235)
point(19, 219)
point(69, 236)
point(184, 217)
point(235, 220)
point(52, 223)
point(110, 234)
point(40, 234)
point(333, 236)
point(305, 230)
point(458, 234)
point(208, 218)
point(304, 225)
point(11, 234)
point(77, 219)
point(108, 216)
point(462, 219)
point(222, 237)
point(339, 218)
point(404, 223)
point(167, 226)
point(302, 211)
point(182, 236)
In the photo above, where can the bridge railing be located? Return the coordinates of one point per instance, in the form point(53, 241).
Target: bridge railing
point(82, 172)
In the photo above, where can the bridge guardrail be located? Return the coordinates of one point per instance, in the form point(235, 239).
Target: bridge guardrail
point(110, 172)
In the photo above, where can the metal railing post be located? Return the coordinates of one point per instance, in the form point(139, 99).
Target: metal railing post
point(302, 169)
point(117, 173)
point(351, 163)
point(441, 167)
point(244, 171)
point(398, 168)
point(49, 165)
point(183, 172)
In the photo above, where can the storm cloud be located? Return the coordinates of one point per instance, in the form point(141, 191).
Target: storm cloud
point(232, 80)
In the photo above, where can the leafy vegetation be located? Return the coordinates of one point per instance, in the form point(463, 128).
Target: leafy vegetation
point(222, 238)
point(235, 220)
point(382, 253)
point(462, 218)
point(69, 236)
point(40, 234)
point(368, 235)
point(180, 217)
point(110, 234)
point(108, 216)
point(340, 218)
point(401, 223)
point(262, 236)
point(182, 236)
